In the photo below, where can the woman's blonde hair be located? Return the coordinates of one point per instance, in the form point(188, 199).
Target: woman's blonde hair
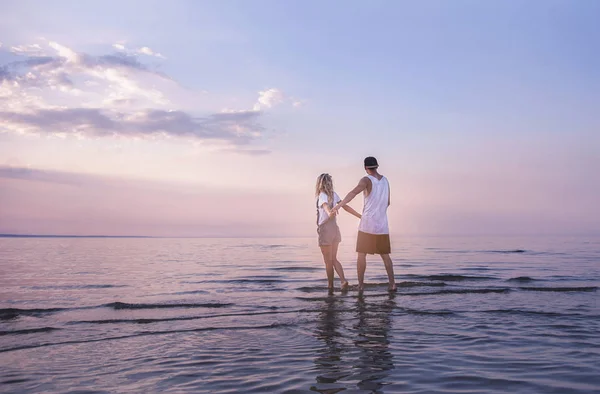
point(325, 185)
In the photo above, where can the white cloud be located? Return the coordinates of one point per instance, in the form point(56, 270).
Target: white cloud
point(120, 46)
point(28, 50)
point(103, 78)
point(64, 52)
point(146, 51)
point(57, 90)
point(298, 103)
point(269, 98)
point(235, 128)
point(149, 52)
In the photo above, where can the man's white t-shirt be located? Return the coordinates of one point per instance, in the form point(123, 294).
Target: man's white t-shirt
point(323, 199)
point(374, 216)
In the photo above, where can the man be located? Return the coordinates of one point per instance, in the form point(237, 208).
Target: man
point(373, 231)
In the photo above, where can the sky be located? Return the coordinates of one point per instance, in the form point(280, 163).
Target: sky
point(214, 118)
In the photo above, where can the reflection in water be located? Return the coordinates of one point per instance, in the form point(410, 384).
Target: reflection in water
point(329, 358)
point(372, 339)
point(356, 353)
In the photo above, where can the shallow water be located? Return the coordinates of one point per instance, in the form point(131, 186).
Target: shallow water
point(517, 315)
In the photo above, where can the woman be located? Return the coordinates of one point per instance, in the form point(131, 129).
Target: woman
point(328, 230)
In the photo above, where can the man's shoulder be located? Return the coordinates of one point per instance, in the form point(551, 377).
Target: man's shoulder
point(382, 177)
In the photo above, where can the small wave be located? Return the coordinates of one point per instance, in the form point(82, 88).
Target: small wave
point(524, 312)
point(459, 291)
point(310, 289)
point(452, 277)
point(182, 293)
point(137, 321)
point(258, 281)
point(521, 279)
point(267, 281)
point(371, 285)
point(183, 318)
point(296, 269)
point(147, 333)
point(14, 381)
point(192, 292)
point(326, 298)
point(124, 305)
point(560, 289)
point(405, 284)
point(563, 278)
point(73, 287)
point(28, 331)
point(505, 251)
point(420, 284)
point(275, 246)
point(423, 312)
point(369, 295)
point(13, 313)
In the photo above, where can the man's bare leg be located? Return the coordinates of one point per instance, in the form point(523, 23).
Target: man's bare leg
point(326, 251)
point(389, 267)
point(338, 266)
point(361, 266)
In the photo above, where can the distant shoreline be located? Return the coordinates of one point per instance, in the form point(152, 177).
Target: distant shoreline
point(399, 236)
point(73, 236)
point(133, 236)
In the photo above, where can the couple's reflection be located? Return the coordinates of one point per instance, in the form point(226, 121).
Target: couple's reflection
point(356, 354)
point(328, 360)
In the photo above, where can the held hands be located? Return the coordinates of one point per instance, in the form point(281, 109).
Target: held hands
point(333, 213)
point(334, 210)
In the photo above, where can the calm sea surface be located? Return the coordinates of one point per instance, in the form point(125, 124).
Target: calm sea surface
point(476, 315)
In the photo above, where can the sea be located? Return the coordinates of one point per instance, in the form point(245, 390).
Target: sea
point(197, 315)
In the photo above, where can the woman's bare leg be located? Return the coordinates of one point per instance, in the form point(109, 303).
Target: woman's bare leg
point(327, 259)
point(338, 266)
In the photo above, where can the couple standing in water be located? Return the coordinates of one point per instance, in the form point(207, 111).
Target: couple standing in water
point(373, 232)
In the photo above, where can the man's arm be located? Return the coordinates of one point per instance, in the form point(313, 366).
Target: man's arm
point(349, 209)
point(362, 185)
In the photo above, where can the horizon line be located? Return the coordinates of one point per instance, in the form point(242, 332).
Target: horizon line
point(12, 235)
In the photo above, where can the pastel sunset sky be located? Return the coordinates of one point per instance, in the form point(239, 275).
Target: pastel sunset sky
point(214, 118)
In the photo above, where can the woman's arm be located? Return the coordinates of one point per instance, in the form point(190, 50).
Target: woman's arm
point(349, 209)
point(325, 206)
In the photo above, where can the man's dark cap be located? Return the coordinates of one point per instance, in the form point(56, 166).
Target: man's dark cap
point(371, 162)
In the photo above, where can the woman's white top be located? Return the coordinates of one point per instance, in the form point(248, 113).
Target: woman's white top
point(323, 216)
